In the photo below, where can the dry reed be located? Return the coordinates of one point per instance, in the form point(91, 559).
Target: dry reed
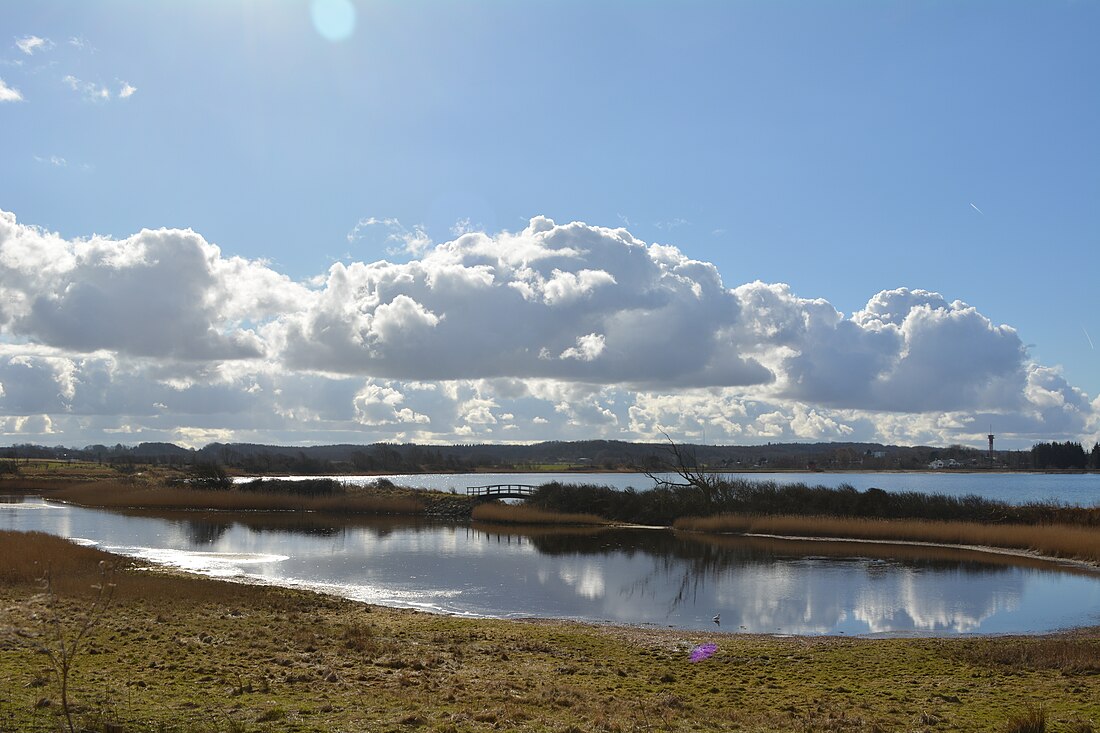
point(28, 556)
point(1077, 543)
point(513, 514)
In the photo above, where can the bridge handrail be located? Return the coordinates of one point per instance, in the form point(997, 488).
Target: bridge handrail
point(497, 489)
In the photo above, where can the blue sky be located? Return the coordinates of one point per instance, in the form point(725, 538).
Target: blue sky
point(842, 149)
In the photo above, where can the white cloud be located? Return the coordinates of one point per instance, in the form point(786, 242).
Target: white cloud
point(54, 160)
point(588, 348)
point(9, 94)
point(32, 44)
point(556, 331)
point(126, 90)
point(397, 238)
point(90, 91)
point(380, 405)
point(165, 293)
point(495, 304)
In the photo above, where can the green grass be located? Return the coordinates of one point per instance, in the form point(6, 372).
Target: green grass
point(180, 653)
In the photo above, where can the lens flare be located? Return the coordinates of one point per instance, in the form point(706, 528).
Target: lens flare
point(333, 19)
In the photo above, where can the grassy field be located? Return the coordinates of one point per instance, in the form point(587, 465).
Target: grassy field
point(177, 653)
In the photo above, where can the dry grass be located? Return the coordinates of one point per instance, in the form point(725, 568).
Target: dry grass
point(1032, 720)
point(518, 514)
point(28, 556)
point(1070, 654)
point(1078, 543)
point(121, 495)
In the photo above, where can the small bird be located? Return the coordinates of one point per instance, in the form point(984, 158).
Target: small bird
point(717, 619)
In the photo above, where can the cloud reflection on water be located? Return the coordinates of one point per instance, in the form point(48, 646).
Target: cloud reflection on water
point(625, 576)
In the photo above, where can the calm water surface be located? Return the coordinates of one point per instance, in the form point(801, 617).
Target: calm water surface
point(624, 576)
point(1016, 488)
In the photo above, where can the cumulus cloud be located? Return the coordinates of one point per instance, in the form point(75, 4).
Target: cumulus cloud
point(496, 306)
point(381, 405)
point(126, 90)
point(555, 331)
point(165, 293)
point(9, 94)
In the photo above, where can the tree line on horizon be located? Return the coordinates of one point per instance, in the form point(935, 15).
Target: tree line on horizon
point(556, 455)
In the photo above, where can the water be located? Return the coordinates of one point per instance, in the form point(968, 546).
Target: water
point(1015, 488)
point(640, 577)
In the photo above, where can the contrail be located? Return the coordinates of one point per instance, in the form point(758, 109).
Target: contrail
point(977, 209)
point(1091, 345)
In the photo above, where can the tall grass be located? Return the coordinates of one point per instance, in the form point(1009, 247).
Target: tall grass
point(352, 500)
point(1078, 543)
point(21, 485)
point(519, 514)
point(27, 556)
point(1032, 720)
point(1070, 654)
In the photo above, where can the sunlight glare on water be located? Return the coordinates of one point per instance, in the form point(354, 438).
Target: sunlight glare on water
point(220, 564)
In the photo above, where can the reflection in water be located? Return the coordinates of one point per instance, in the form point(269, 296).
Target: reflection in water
point(203, 533)
point(621, 575)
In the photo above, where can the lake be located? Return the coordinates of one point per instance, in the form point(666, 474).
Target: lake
point(626, 576)
point(1015, 488)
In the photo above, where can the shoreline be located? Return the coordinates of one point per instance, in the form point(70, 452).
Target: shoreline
point(1090, 565)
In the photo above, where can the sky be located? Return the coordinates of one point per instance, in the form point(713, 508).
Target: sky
point(351, 221)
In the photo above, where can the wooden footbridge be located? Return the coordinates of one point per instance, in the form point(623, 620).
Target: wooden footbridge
point(501, 491)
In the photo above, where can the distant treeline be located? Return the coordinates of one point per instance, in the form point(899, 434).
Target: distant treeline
point(586, 455)
point(1064, 455)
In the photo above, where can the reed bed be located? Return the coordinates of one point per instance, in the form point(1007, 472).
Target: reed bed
point(21, 485)
point(519, 514)
point(1070, 654)
point(118, 495)
point(1063, 541)
point(29, 556)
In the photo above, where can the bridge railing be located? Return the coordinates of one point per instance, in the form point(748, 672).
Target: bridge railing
point(502, 490)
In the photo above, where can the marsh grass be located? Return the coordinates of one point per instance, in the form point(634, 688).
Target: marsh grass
point(350, 500)
point(1032, 720)
point(178, 653)
point(1070, 542)
point(1070, 654)
point(28, 556)
point(520, 514)
point(18, 486)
